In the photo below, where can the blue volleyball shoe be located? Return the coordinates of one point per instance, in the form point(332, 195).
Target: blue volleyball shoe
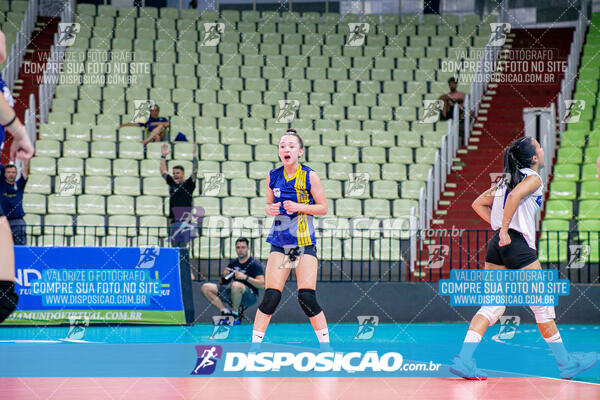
point(467, 369)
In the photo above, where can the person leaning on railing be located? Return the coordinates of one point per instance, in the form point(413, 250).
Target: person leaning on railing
point(11, 199)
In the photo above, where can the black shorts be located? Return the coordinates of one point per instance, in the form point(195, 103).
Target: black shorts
point(516, 255)
point(309, 250)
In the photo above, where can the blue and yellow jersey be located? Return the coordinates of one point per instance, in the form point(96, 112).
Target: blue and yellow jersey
point(291, 229)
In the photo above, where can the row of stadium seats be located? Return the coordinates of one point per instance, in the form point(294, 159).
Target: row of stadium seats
point(216, 152)
point(330, 35)
point(230, 206)
point(11, 17)
point(275, 16)
point(210, 248)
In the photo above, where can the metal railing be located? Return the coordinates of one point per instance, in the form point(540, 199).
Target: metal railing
point(355, 252)
point(568, 83)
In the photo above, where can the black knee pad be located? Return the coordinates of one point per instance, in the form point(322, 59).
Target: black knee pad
point(308, 301)
point(270, 301)
point(8, 299)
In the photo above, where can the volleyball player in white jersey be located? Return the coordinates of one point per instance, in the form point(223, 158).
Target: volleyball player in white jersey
point(510, 208)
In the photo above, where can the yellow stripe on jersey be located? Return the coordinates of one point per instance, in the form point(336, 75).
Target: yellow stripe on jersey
point(302, 231)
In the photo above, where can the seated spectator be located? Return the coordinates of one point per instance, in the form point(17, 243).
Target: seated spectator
point(451, 98)
point(239, 283)
point(156, 127)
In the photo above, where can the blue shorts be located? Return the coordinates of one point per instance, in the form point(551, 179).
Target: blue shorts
point(298, 251)
point(249, 298)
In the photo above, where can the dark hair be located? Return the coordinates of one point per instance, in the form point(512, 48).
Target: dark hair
point(179, 167)
point(451, 79)
point(10, 166)
point(157, 107)
point(243, 239)
point(292, 131)
point(518, 155)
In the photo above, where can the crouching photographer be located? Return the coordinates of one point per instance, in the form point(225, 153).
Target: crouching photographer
point(238, 285)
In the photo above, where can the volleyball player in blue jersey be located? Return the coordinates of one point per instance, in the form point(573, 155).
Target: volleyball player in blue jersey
point(21, 149)
point(294, 195)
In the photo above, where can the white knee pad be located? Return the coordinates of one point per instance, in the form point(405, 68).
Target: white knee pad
point(492, 313)
point(543, 313)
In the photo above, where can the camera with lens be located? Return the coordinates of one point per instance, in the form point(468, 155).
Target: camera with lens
point(227, 278)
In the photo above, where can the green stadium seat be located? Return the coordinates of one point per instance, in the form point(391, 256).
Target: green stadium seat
point(103, 149)
point(377, 207)
point(125, 167)
point(564, 190)
point(34, 203)
point(126, 185)
point(385, 189)
point(346, 154)
point(590, 190)
point(58, 224)
point(589, 172)
point(555, 228)
point(234, 169)
point(333, 189)
point(91, 204)
point(243, 187)
point(347, 207)
point(119, 204)
point(38, 184)
point(552, 251)
point(411, 189)
point(394, 172)
point(569, 155)
point(61, 204)
point(210, 151)
point(47, 148)
point(155, 186)
point(149, 205)
point(122, 225)
point(375, 155)
point(401, 155)
point(588, 230)
point(329, 249)
point(235, 206)
point(97, 185)
point(320, 154)
point(97, 167)
point(43, 166)
point(559, 209)
point(211, 205)
point(357, 249)
point(568, 172)
point(70, 166)
point(373, 170)
point(154, 225)
point(90, 226)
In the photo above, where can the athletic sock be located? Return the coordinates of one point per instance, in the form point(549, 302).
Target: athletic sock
point(224, 311)
point(235, 313)
point(323, 335)
point(257, 336)
point(558, 348)
point(471, 342)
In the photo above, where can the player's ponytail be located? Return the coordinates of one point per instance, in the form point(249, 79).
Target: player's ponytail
point(518, 155)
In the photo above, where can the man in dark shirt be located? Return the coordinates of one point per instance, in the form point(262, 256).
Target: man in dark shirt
point(156, 127)
point(181, 192)
point(11, 199)
point(246, 275)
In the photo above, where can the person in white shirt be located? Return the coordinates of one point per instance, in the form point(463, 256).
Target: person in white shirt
point(510, 208)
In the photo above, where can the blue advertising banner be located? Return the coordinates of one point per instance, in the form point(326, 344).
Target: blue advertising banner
point(97, 285)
